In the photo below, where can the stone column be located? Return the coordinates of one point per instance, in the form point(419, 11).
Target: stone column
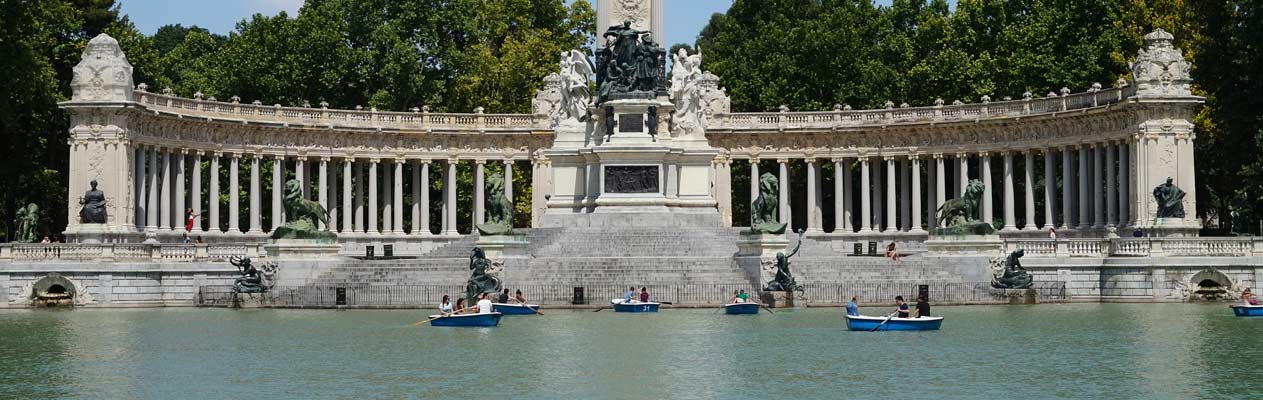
point(786, 215)
point(449, 205)
point(300, 174)
point(988, 206)
point(424, 221)
point(323, 196)
point(878, 193)
point(1067, 189)
point(180, 190)
point(1009, 214)
point(905, 187)
point(916, 195)
point(415, 207)
point(348, 199)
point(138, 183)
point(234, 194)
point(754, 180)
point(1029, 190)
point(1111, 185)
point(1085, 219)
point(939, 188)
point(866, 197)
point(164, 202)
point(256, 203)
point(1098, 188)
point(278, 191)
point(892, 225)
point(842, 195)
point(1124, 184)
point(813, 196)
point(361, 188)
point(214, 194)
point(721, 169)
point(963, 167)
point(333, 193)
point(372, 196)
point(396, 226)
point(387, 205)
point(1050, 191)
point(508, 182)
point(480, 194)
point(197, 191)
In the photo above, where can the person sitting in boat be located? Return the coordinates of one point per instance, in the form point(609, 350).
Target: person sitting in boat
point(923, 307)
point(644, 295)
point(745, 297)
point(901, 310)
point(519, 298)
point(504, 297)
point(630, 295)
point(460, 306)
point(736, 298)
point(445, 308)
point(1248, 297)
point(484, 304)
point(852, 309)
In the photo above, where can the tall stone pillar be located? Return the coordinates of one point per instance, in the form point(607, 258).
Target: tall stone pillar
point(323, 196)
point(1124, 185)
point(988, 207)
point(372, 196)
point(215, 223)
point(361, 188)
point(905, 187)
point(813, 196)
point(786, 215)
point(1009, 214)
point(1085, 218)
point(878, 192)
point(916, 194)
point(891, 224)
point(449, 189)
point(332, 195)
point(387, 206)
point(424, 209)
point(1111, 185)
point(348, 198)
point(754, 179)
point(1029, 190)
point(963, 169)
point(1067, 189)
point(300, 174)
point(939, 188)
point(142, 195)
point(234, 194)
point(866, 197)
point(197, 190)
point(180, 190)
point(1098, 187)
point(256, 203)
point(278, 191)
point(842, 195)
point(508, 185)
point(164, 201)
point(396, 226)
point(480, 194)
point(1050, 189)
point(415, 207)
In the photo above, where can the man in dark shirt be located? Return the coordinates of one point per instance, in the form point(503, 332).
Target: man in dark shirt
point(504, 297)
point(923, 307)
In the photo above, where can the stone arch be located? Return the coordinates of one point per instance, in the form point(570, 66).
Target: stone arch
point(1211, 284)
point(55, 290)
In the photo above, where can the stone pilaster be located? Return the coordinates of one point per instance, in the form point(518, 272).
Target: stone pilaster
point(892, 224)
point(234, 194)
point(866, 197)
point(1050, 189)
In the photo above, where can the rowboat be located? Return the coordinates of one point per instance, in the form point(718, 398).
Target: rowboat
point(1242, 310)
point(479, 320)
point(514, 309)
point(634, 306)
point(741, 308)
point(864, 323)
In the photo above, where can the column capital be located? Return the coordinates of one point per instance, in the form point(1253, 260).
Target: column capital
point(480, 162)
point(235, 155)
point(810, 160)
point(962, 155)
point(782, 161)
point(300, 157)
point(889, 158)
point(508, 161)
point(326, 158)
point(425, 161)
point(374, 160)
point(938, 156)
point(400, 160)
point(753, 159)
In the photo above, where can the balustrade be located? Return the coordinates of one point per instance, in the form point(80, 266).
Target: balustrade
point(78, 252)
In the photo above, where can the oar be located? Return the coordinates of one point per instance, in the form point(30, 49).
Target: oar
point(532, 309)
point(419, 323)
point(888, 317)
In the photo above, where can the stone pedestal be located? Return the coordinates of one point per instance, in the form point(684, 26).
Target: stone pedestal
point(964, 245)
point(780, 300)
point(762, 245)
point(1018, 296)
point(1172, 227)
point(504, 246)
point(247, 300)
point(93, 234)
point(303, 249)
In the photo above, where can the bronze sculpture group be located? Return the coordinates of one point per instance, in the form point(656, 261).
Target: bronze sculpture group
point(959, 216)
point(499, 217)
point(482, 277)
point(26, 222)
point(784, 280)
point(1012, 275)
point(252, 280)
point(631, 66)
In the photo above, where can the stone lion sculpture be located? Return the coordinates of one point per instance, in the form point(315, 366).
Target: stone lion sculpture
point(499, 209)
point(959, 216)
point(302, 216)
point(765, 210)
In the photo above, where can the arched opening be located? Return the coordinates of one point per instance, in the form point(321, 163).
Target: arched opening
point(1209, 285)
point(53, 291)
point(56, 289)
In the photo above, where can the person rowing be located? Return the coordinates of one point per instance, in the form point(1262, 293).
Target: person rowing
point(460, 306)
point(736, 298)
point(518, 297)
point(630, 295)
point(901, 310)
point(852, 308)
point(445, 307)
point(923, 307)
point(503, 298)
point(484, 304)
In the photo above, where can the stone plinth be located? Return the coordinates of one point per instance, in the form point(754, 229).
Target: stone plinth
point(1172, 227)
point(247, 300)
point(780, 300)
point(965, 245)
point(1018, 296)
point(504, 246)
point(303, 249)
point(762, 245)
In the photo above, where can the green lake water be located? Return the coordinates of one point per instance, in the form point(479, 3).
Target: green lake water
point(1148, 351)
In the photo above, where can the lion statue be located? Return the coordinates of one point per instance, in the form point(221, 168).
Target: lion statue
point(765, 210)
point(499, 209)
point(302, 216)
point(960, 215)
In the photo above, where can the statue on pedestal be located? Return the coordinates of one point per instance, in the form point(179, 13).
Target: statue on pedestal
point(499, 209)
point(765, 210)
point(784, 281)
point(482, 277)
point(252, 280)
point(1011, 275)
point(302, 216)
point(1170, 200)
point(959, 216)
point(630, 66)
point(27, 220)
point(93, 201)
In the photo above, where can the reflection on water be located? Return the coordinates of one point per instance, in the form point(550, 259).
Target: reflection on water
point(1044, 351)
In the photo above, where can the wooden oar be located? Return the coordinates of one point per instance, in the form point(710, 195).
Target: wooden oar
point(532, 309)
point(888, 317)
point(419, 323)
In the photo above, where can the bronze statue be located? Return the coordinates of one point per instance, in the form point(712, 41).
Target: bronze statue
point(93, 201)
point(784, 281)
point(481, 277)
point(959, 216)
point(630, 66)
point(499, 209)
point(302, 216)
point(1013, 276)
point(27, 221)
point(765, 210)
point(1170, 200)
point(252, 280)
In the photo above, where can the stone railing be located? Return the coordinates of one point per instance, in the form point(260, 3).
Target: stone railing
point(1138, 247)
point(938, 113)
point(135, 252)
point(347, 119)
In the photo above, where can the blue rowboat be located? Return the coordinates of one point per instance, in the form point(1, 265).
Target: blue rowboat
point(741, 308)
point(634, 306)
point(863, 323)
point(1242, 310)
point(514, 309)
point(479, 320)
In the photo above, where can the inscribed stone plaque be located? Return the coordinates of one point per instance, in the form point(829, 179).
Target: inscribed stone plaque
point(631, 179)
point(631, 123)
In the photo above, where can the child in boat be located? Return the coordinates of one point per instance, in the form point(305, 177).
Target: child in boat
point(902, 309)
point(644, 295)
point(460, 306)
point(445, 308)
point(518, 297)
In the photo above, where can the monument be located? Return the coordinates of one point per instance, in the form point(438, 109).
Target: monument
point(27, 221)
point(482, 276)
point(248, 289)
point(301, 236)
point(960, 230)
point(783, 288)
point(496, 234)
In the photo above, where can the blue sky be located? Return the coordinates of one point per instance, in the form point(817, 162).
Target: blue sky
point(685, 18)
